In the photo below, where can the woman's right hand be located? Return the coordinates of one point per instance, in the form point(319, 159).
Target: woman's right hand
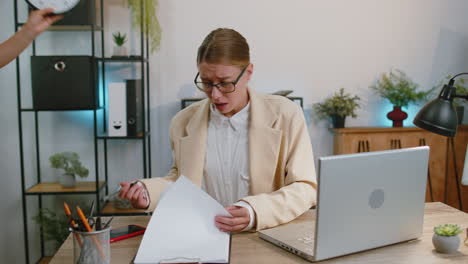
point(136, 193)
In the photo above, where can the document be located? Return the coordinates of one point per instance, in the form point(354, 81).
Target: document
point(182, 228)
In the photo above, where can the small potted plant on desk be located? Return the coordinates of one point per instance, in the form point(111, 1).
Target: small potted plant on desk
point(400, 90)
point(446, 239)
point(338, 107)
point(70, 163)
point(119, 50)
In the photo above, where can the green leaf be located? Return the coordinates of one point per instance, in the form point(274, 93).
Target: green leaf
point(340, 104)
point(399, 89)
point(70, 163)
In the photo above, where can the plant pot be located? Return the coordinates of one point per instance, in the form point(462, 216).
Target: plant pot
point(397, 116)
point(338, 121)
point(120, 51)
point(460, 112)
point(67, 181)
point(446, 245)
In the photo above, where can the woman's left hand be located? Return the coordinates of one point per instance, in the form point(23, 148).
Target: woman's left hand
point(239, 220)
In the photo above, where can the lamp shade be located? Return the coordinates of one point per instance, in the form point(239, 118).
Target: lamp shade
point(438, 116)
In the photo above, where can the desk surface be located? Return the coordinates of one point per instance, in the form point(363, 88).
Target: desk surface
point(249, 248)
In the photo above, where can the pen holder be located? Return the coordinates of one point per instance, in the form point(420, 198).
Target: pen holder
point(91, 247)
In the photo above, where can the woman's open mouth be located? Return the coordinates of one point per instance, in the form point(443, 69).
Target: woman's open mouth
point(220, 106)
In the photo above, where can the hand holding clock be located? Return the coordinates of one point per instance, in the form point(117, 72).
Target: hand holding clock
point(38, 21)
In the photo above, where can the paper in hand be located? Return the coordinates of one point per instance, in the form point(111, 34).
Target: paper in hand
point(183, 229)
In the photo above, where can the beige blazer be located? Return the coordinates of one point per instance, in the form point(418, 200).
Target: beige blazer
point(282, 173)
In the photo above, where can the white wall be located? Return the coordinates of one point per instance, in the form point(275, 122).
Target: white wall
point(311, 47)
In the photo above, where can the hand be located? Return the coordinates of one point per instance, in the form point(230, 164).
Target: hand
point(40, 20)
point(136, 194)
point(239, 220)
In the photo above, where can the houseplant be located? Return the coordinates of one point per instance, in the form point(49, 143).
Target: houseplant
point(119, 50)
point(338, 107)
point(446, 239)
point(55, 227)
point(70, 163)
point(151, 27)
point(400, 90)
point(460, 88)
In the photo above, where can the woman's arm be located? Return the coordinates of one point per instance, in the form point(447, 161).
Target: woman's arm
point(38, 21)
point(299, 191)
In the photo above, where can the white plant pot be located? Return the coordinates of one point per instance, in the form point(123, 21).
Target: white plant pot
point(67, 181)
point(444, 244)
point(120, 51)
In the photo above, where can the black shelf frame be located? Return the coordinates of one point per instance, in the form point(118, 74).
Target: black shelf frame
point(55, 110)
point(84, 28)
point(97, 135)
point(66, 193)
point(107, 137)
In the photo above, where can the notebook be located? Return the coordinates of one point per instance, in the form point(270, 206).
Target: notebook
point(182, 228)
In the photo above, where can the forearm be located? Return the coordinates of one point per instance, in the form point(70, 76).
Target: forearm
point(283, 205)
point(11, 48)
point(156, 186)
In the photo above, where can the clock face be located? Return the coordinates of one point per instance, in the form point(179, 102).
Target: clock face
point(60, 6)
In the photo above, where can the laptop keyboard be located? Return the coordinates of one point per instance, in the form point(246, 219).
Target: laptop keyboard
point(308, 242)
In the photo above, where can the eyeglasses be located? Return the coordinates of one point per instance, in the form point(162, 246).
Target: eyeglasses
point(224, 87)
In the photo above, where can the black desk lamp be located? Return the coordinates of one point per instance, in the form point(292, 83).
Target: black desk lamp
point(439, 116)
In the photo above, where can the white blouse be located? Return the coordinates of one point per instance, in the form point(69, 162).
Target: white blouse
point(226, 172)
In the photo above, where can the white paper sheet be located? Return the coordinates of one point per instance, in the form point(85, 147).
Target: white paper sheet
point(183, 228)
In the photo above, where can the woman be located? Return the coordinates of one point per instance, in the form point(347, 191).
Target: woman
point(38, 21)
point(237, 145)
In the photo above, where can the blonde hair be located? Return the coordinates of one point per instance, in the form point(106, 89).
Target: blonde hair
point(224, 46)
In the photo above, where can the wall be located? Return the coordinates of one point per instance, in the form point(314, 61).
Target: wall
point(311, 47)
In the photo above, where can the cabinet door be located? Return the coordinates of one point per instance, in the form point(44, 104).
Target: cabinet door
point(437, 165)
point(460, 143)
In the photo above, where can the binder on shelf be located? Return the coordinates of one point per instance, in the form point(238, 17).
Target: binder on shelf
point(125, 109)
point(117, 125)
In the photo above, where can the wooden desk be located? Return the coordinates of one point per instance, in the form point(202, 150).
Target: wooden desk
point(249, 248)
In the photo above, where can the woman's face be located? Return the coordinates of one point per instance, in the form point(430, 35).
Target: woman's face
point(227, 103)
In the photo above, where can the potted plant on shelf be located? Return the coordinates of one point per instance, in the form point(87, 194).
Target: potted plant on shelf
point(446, 239)
point(119, 50)
point(54, 227)
point(398, 88)
point(460, 88)
point(338, 107)
point(70, 163)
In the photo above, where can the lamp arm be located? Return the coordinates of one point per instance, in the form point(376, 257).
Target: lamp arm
point(461, 96)
point(452, 80)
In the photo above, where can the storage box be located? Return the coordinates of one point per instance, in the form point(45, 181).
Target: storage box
point(64, 83)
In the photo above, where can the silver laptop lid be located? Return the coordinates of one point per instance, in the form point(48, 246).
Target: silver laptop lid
point(369, 200)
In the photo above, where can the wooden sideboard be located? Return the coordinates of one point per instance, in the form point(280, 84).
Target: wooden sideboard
point(365, 139)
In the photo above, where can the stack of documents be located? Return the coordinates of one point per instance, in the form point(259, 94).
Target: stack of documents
point(182, 228)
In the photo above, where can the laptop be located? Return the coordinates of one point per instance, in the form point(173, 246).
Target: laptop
point(364, 201)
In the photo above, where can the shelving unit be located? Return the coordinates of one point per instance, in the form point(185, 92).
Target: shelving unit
point(187, 101)
point(52, 188)
point(99, 185)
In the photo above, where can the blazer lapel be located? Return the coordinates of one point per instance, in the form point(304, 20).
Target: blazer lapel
point(192, 147)
point(264, 145)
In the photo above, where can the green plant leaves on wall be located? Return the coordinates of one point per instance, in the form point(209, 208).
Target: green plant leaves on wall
point(151, 27)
